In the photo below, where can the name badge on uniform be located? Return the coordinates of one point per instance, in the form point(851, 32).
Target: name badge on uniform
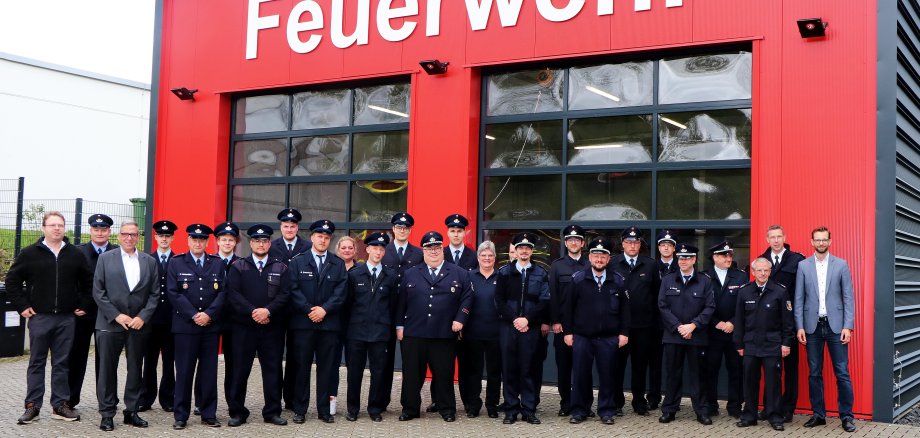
point(733, 287)
point(750, 302)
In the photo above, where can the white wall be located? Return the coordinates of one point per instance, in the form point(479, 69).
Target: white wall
point(72, 134)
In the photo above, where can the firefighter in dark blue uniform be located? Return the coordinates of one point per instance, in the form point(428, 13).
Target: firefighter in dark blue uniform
point(372, 290)
point(434, 304)
point(195, 288)
point(317, 297)
point(161, 337)
point(764, 334)
point(400, 255)
point(560, 275)
point(726, 281)
point(686, 305)
point(667, 243)
point(258, 288)
point(456, 252)
point(642, 281)
point(85, 327)
point(522, 296)
point(596, 327)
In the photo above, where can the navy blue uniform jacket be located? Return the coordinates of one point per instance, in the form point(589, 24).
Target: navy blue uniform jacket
point(763, 322)
point(248, 289)
point(684, 304)
point(427, 309)
point(515, 299)
point(597, 311)
point(370, 304)
point(726, 298)
point(191, 290)
point(311, 286)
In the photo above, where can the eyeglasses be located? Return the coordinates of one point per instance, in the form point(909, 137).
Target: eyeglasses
point(400, 227)
point(129, 235)
point(259, 241)
point(820, 240)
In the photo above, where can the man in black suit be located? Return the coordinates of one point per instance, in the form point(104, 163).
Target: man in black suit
point(161, 337)
point(100, 230)
point(456, 252)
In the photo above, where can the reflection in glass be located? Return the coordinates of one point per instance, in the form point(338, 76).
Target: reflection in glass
point(381, 152)
point(530, 144)
point(704, 239)
point(711, 135)
point(611, 85)
point(320, 200)
point(263, 113)
point(610, 140)
point(321, 155)
point(382, 104)
point(522, 198)
point(321, 109)
point(609, 196)
point(377, 201)
point(546, 249)
point(259, 158)
point(257, 203)
point(705, 194)
point(525, 92)
point(720, 76)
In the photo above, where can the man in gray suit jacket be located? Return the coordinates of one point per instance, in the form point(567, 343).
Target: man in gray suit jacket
point(127, 290)
point(824, 314)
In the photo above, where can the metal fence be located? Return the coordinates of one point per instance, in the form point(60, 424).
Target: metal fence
point(21, 218)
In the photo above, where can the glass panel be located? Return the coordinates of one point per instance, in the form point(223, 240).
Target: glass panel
point(530, 144)
point(321, 109)
point(259, 158)
point(546, 249)
point(610, 140)
point(525, 92)
point(522, 198)
point(319, 201)
point(382, 104)
point(710, 135)
point(611, 85)
point(263, 114)
point(321, 155)
point(719, 76)
point(257, 203)
point(377, 201)
point(381, 152)
point(707, 238)
point(613, 196)
point(705, 194)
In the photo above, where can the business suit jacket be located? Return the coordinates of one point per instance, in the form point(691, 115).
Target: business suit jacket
point(111, 293)
point(839, 298)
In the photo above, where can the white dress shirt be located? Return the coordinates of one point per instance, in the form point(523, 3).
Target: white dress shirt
point(132, 268)
point(821, 268)
point(721, 273)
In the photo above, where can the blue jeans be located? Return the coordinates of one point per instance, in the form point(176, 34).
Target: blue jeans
point(838, 352)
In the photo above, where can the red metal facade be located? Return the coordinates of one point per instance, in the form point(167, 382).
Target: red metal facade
point(813, 102)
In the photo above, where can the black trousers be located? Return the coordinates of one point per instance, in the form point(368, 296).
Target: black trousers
point(475, 356)
point(563, 355)
point(225, 346)
point(791, 381)
point(372, 354)
point(641, 349)
point(49, 332)
point(654, 367)
point(772, 373)
point(287, 391)
point(519, 377)
point(307, 344)
point(674, 357)
point(84, 330)
point(196, 358)
point(160, 344)
point(586, 352)
point(389, 364)
point(718, 349)
point(268, 341)
point(437, 354)
point(108, 352)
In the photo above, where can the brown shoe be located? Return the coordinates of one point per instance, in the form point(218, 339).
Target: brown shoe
point(30, 415)
point(64, 412)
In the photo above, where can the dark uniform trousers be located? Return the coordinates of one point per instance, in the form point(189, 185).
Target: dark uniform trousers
point(110, 344)
point(644, 348)
point(374, 355)
point(519, 376)
point(160, 344)
point(322, 345)
point(268, 342)
point(601, 351)
point(674, 357)
point(720, 347)
point(196, 350)
point(84, 328)
point(412, 256)
point(772, 374)
point(474, 355)
point(439, 355)
point(784, 274)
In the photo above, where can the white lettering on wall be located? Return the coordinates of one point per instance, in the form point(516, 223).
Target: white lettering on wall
point(478, 12)
point(255, 23)
point(604, 7)
point(385, 13)
point(339, 39)
point(552, 13)
point(295, 26)
point(433, 18)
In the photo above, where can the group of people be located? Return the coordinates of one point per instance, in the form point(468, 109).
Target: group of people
point(445, 304)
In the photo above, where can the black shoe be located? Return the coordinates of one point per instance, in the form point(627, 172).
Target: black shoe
point(848, 425)
point(746, 423)
point(616, 412)
point(351, 416)
point(787, 418)
point(376, 418)
point(704, 419)
point(327, 418)
point(210, 422)
point(107, 425)
point(652, 405)
point(432, 408)
point(167, 409)
point(450, 418)
point(563, 412)
point(406, 417)
point(197, 411)
point(509, 419)
point(778, 426)
point(575, 419)
point(713, 412)
point(532, 419)
point(179, 425)
point(641, 411)
point(144, 408)
point(299, 419)
point(472, 414)
point(761, 415)
point(735, 414)
point(666, 417)
point(493, 413)
point(235, 421)
point(277, 420)
point(607, 420)
point(30, 415)
point(815, 421)
point(133, 419)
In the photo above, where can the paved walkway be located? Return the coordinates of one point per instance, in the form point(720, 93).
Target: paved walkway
point(12, 374)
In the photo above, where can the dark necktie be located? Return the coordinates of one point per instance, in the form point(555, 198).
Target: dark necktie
point(198, 262)
point(98, 250)
point(632, 263)
point(227, 261)
point(456, 256)
point(290, 247)
point(400, 252)
point(776, 260)
point(434, 275)
point(163, 260)
point(374, 273)
point(599, 281)
point(320, 265)
point(686, 279)
point(260, 265)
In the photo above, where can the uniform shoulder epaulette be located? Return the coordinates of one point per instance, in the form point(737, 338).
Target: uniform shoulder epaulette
point(295, 256)
point(578, 276)
point(780, 285)
point(178, 254)
point(707, 275)
point(213, 256)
